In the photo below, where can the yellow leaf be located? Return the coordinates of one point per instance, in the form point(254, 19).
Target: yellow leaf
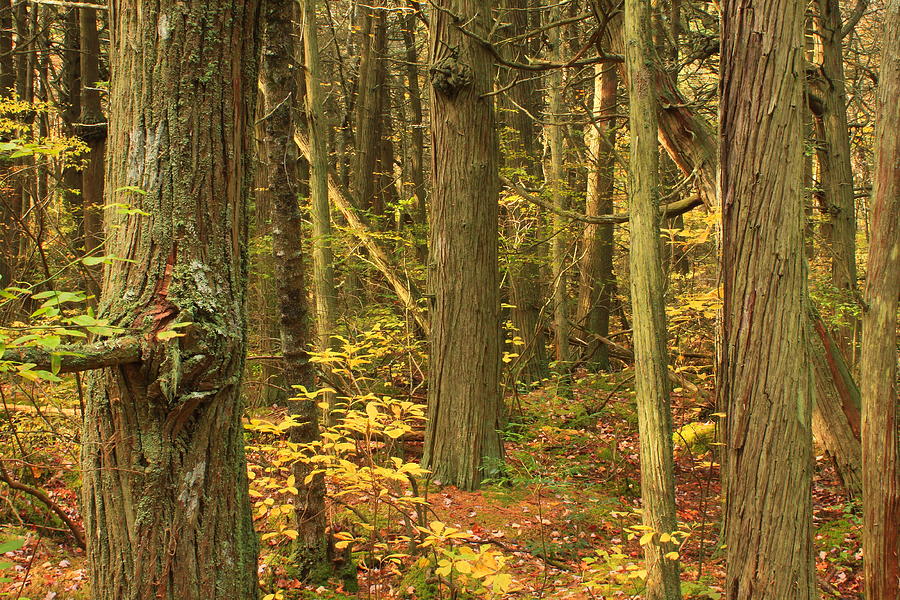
point(291, 533)
point(672, 555)
point(646, 538)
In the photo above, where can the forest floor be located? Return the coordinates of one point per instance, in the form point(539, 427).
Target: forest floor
point(562, 514)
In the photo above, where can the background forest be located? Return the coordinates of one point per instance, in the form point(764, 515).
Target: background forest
point(452, 300)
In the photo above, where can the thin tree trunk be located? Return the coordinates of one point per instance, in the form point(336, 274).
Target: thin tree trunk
point(462, 445)
point(764, 377)
point(416, 168)
point(164, 497)
point(279, 84)
point(70, 101)
point(8, 227)
point(323, 259)
point(368, 121)
point(558, 192)
point(878, 365)
point(92, 129)
point(7, 63)
point(648, 313)
point(597, 280)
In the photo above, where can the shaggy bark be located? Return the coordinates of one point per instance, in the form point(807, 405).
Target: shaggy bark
point(765, 380)
point(165, 501)
point(462, 445)
point(880, 438)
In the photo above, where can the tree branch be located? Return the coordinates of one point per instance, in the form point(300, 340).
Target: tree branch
point(76, 358)
point(673, 209)
point(77, 533)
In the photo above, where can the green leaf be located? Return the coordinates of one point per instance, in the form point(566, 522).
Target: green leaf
point(55, 363)
point(168, 335)
point(90, 261)
point(131, 188)
point(12, 545)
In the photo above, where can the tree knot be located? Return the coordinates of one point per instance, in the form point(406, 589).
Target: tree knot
point(449, 75)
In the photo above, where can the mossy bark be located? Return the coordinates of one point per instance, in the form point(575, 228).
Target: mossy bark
point(165, 495)
point(648, 308)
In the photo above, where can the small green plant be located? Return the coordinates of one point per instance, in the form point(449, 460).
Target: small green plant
point(9, 546)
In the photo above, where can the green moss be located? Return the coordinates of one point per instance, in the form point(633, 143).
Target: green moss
point(419, 583)
point(696, 437)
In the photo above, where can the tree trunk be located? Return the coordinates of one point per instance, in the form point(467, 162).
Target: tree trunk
point(461, 440)
point(7, 63)
point(523, 221)
point(836, 408)
point(688, 139)
point(323, 259)
point(70, 113)
point(834, 161)
point(92, 130)
point(9, 240)
point(559, 233)
point(878, 364)
point(280, 89)
point(368, 121)
point(416, 168)
point(764, 377)
point(648, 312)
point(165, 501)
point(597, 280)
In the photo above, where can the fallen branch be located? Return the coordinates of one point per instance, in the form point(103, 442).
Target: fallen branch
point(405, 289)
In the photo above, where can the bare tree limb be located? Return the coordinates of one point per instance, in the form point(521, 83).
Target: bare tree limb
point(76, 358)
point(77, 533)
point(670, 210)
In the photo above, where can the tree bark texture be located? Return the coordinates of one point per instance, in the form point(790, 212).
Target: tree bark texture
point(279, 85)
point(596, 278)
point(880, 438)
point(834, 163)
point(165, 500)
point(764, 378)
point(461, 439)
point(648, 307)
